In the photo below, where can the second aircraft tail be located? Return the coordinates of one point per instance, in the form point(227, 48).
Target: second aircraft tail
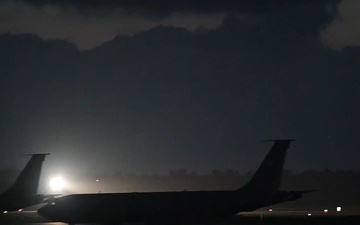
point(28, 180)
point(267, 178)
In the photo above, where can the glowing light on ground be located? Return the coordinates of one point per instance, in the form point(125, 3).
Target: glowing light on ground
point(57, 184)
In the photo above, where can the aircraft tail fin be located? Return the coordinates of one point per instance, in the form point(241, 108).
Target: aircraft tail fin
point(28, 180)
point(267, 178)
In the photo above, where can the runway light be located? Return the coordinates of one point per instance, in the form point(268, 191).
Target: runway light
point(309, 214)
point(326, 210)
point(338, 209)
point(57, 184)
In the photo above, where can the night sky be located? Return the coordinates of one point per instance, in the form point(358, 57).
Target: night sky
point(153, 86)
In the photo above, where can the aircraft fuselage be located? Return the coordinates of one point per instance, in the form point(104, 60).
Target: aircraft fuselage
point(178, 207)
point(181, 206)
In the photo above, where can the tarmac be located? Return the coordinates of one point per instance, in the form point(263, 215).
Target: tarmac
point(257, 217)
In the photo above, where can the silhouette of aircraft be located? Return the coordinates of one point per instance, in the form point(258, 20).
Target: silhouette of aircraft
point(23, 192)
point(178, 207)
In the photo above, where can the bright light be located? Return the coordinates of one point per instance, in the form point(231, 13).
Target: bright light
point(57, 184)
point(270, 210)
point(20, 210)
point(309, 214)
point(326, 210)
point(5, 212)
point(338, 209)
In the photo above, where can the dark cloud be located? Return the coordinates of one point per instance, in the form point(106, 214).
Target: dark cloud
point(88, 24)
point(89, 28)
point(343, 30)
point(166, 6)
point(169, 98)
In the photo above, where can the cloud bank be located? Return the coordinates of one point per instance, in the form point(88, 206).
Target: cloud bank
point(344, 30)
point(92, 27)
point(90, 23)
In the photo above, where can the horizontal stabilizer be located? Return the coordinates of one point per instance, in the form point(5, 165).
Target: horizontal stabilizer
point(294, 195)
point(285, 140)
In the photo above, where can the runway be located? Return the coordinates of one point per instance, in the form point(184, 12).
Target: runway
point(25, 217)
point(299, 217)
point(257, 217)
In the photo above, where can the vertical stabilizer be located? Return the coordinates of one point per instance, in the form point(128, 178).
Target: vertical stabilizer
point(267, 178)
point(28, 180)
